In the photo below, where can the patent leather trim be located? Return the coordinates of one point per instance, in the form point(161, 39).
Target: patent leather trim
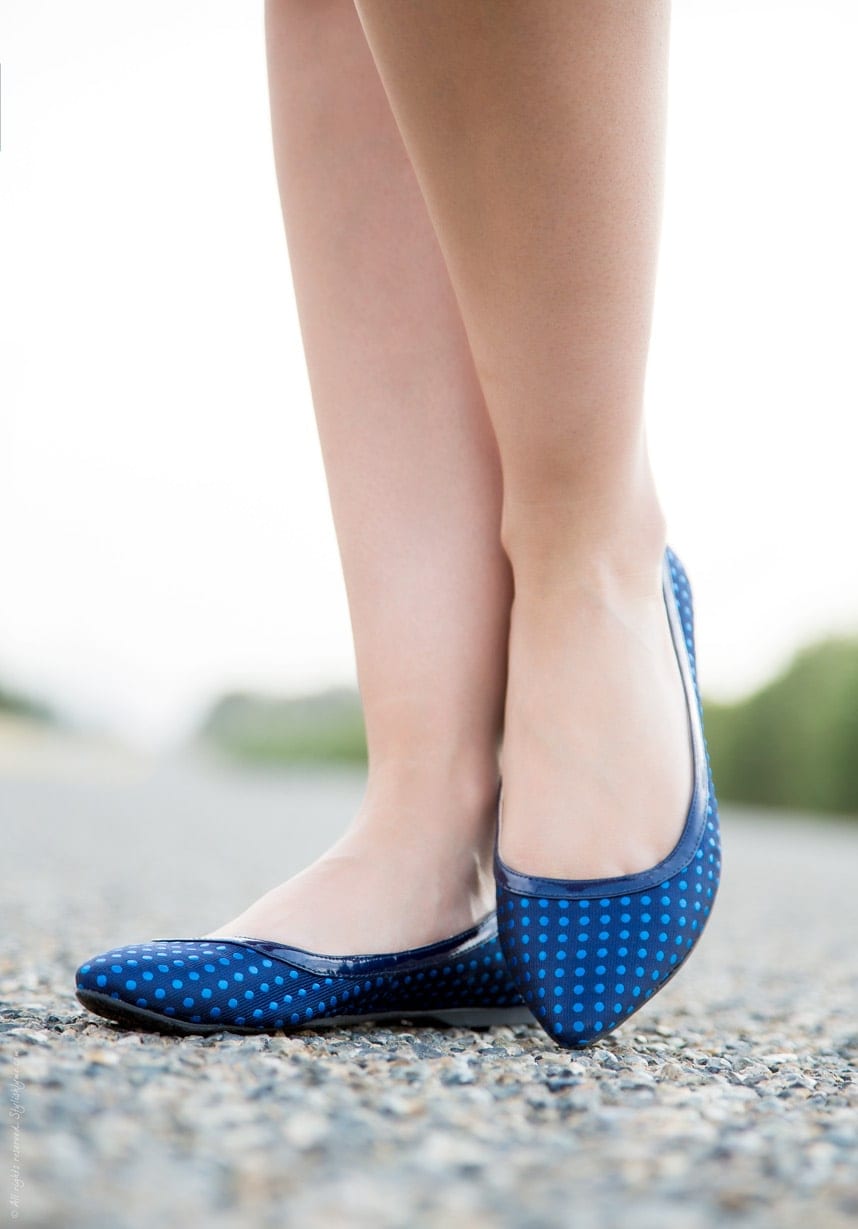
point(695, 824)
point(451, 949)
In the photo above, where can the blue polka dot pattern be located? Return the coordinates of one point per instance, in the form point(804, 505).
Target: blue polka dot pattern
point(587, 954)
point(200, 985)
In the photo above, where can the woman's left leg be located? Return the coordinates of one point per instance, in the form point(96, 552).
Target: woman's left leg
point(414, 481)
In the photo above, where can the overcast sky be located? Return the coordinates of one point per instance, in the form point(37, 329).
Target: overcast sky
point(164, 527)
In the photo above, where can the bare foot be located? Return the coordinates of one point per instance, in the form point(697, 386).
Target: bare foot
point(405, 874)
point(597, 752)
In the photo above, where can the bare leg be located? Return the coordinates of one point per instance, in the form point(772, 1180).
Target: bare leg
point(536, 130)
point(414, 480)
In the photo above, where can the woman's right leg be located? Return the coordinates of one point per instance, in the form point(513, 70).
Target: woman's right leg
point(537, 132)
point(414, 481)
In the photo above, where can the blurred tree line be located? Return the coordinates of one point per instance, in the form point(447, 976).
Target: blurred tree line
point(323, 728)
point(792, 744)
point(17, 705)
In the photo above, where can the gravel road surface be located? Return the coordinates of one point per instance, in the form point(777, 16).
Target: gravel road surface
point(731, 1100)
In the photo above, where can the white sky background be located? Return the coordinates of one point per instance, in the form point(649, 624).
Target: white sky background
point(164, 527)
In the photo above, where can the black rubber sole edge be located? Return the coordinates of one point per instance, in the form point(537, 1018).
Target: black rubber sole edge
point(152, 1022)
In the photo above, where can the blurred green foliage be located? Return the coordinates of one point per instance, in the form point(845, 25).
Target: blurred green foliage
point(17, 705)
point(323, 728)
point(794, 743)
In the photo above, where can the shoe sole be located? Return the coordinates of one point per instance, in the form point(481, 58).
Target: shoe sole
point(151, 1021)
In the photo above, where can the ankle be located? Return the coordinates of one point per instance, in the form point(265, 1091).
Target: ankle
point(620, 580)
point(605, 544)
point(439, 802)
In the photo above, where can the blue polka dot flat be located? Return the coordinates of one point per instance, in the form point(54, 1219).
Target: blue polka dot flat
point(586, 954)
point(256, 986)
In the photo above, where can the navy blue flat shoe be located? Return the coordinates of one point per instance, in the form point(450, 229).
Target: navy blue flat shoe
point(256, 986)
point(586, 954)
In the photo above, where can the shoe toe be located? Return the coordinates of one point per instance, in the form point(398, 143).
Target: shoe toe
point(192, 981)
point(117, 974)
point(584, 966)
